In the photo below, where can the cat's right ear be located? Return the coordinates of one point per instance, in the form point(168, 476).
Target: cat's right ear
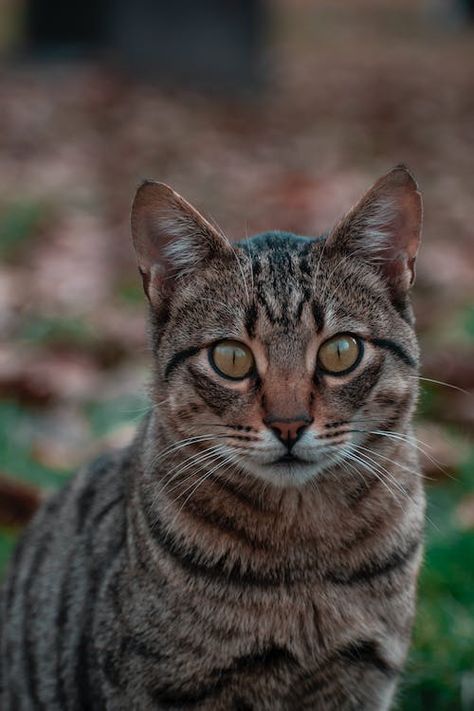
point(384, 229)
point(170, 237)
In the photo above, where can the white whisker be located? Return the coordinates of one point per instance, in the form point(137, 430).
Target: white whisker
point(204, 457)
point(227, 460)
point(440, 382)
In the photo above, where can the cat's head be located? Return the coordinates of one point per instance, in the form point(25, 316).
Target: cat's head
point(281, 354)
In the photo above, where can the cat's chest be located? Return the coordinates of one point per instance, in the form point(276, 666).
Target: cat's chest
point(195, 624)
point(195, 642)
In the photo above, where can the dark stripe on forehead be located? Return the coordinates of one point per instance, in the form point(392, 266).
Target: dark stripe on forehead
point(272, 317)
point(251, 315)
point(396, 349)
point(179, 358)
point(318, 315)
point(303, 259)
point(299, 309)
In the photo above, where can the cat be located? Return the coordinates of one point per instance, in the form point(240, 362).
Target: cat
point(258, 544)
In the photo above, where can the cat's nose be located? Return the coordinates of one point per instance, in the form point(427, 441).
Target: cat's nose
point(288, 430)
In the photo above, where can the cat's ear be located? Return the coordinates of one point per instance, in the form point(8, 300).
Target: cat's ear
point(384, 228)
point(170, 237)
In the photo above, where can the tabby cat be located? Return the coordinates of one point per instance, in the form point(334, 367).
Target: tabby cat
point(257, 546)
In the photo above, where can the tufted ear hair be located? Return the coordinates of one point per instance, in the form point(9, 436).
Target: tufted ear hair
point(170, 237)
point(384, 228)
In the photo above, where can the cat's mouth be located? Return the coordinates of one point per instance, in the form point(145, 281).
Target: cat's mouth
point(287, 469)
point(289, 458)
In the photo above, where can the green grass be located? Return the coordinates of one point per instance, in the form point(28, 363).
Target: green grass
point(442, 653)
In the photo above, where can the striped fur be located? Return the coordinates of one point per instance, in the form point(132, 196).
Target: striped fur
point(192, 571)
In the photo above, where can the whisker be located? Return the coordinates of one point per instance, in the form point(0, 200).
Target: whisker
point(351, 468)
point(227, 460)
point(410, 441)
point(385, 471)
point(176, 446)
point(193, 461)
point(404, 491)
point(215, 456)
point(392, 461)
point(440, 382)
point(356, 458)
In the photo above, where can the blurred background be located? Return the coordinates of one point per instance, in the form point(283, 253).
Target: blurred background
point(264, 115)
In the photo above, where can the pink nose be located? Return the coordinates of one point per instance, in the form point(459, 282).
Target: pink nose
point(288, 430)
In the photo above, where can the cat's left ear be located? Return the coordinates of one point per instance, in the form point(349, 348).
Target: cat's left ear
point(171, 238)
point(384, 228)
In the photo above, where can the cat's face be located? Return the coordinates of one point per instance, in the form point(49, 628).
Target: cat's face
point(282, 355)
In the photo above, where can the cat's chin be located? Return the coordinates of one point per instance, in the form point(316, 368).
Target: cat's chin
point(285, 473)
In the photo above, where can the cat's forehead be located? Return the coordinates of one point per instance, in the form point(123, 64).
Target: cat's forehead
point(282, 266)
point(280, 289)
point(291, 276)
point(277, 251)
point(279, 277)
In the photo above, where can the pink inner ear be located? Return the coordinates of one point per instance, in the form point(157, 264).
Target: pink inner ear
point(385, 226)
point(170, 237)
point(159, 216)
point(150, 242)
point(409, 235)
point(405, 235)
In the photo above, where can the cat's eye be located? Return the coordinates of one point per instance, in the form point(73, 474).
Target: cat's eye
point(340, 354)
point(232, 359)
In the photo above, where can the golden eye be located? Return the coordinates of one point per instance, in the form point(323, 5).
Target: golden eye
point(232, 359)
point(340, 354)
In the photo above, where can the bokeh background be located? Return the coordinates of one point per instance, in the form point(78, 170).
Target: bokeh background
point(264, 115)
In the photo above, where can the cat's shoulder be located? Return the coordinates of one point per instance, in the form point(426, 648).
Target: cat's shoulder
point(92, 491)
